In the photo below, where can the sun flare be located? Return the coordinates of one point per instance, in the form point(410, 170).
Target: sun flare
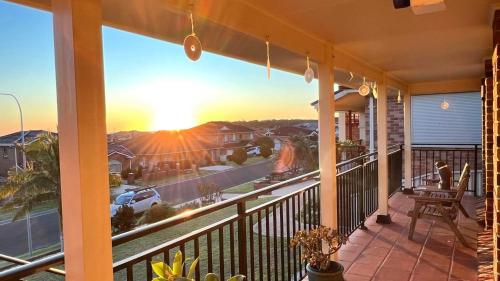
point(174, 103)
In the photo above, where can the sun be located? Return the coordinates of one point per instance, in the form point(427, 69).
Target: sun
point(173, 117)
point(173, 103)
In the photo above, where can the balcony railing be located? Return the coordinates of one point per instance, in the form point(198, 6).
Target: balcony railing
point(251, 241)
point(455, 155)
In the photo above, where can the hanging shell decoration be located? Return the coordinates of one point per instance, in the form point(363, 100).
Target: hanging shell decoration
point(445, 105)
point(375, 90)
point(364, 89)
point(309, 74)
point(268, 65)
point(399, 96)
point(192, 45)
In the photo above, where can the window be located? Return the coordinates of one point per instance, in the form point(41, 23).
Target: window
point(5, 153)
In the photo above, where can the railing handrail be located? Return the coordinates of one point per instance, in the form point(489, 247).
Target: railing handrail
point(445, 144)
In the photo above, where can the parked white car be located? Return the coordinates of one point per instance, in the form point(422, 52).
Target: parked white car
point(253, 151)
point(139, 199)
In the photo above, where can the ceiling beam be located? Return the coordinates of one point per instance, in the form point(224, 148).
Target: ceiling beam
point(144, 17)
point(445, 87)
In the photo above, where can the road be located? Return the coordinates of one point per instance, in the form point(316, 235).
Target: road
point(185, 191)
point(45, 226)
point(44, 232)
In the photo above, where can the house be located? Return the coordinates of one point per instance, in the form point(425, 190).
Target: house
point(163, 147)
point(119, 158)
point(10, 152)
point(221, 132)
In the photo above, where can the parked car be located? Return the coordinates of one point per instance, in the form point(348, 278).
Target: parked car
point(253, 151)
point(139, 199)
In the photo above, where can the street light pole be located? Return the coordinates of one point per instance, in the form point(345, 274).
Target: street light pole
point(28, 215)
point(22, 126)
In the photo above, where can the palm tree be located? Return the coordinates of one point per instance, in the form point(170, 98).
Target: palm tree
point(39, 182)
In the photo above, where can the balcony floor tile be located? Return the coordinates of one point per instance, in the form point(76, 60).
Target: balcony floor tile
point(383, 252)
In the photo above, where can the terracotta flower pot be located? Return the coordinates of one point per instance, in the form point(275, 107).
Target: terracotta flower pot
point(334, 273)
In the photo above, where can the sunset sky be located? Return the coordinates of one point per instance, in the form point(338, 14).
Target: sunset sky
point(150, 84)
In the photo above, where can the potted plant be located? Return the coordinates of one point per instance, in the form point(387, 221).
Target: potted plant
point(318, 245)
point(165, 272)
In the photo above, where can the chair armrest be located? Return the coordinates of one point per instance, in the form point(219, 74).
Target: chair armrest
point(428, 188)
point(431, 180)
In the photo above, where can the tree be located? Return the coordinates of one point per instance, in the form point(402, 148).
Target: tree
point(39, 182)
point(114, 180)
point(239, 156)
point(124, 218)
point(157, 213)
point(265, 142)
point(209, 192)
point(304, 156)
point(265, 151)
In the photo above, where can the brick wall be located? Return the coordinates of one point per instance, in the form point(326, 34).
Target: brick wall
point(487, 97)
point(496, 161)
point(395, 121)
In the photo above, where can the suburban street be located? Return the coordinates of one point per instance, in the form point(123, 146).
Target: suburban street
point(185, 191)
point(45, 226)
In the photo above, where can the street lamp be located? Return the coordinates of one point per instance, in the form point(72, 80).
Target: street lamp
point(22, 126)
point(28, 215)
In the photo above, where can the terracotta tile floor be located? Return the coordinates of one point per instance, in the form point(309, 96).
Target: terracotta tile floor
point(383, 252)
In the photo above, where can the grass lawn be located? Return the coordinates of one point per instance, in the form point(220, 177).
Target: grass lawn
point(250, 161)
point(240, 189)
point(43, 206)
point(36, 253)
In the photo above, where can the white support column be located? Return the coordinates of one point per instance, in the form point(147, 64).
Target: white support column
point(327, 150)
point(362, 127)
point(371, 112)
point(82, 137)
point(383, 175)
point(342, 126)
point(407, 139)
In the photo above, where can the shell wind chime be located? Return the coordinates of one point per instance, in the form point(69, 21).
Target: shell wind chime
point(192, 44)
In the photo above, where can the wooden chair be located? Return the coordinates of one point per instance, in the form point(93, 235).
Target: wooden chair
point(445, 176)
point(435, 191)
point(443, 208)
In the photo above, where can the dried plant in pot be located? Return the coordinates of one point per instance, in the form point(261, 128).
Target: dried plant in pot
point(318, 245)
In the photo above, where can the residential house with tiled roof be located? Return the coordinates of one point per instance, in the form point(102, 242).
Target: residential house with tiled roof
point(10, 153)
point(221, 132)
point(167, 147)
point(119, 157)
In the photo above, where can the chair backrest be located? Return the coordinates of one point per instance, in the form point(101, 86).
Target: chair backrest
point(463, 182)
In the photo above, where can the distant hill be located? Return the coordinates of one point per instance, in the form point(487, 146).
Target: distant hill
point(275, 123)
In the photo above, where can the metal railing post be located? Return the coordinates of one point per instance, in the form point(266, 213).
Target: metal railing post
point(242, 238)
point(362, 195)
point(475, 170)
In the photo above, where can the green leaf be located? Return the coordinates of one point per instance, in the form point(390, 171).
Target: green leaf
point(211, 277)
point(192, 268)
point(237, 278)
point(177, 265)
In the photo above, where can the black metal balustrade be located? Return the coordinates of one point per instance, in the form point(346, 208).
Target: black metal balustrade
point(251, 241)
point(357, 187)
point(455, 155)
